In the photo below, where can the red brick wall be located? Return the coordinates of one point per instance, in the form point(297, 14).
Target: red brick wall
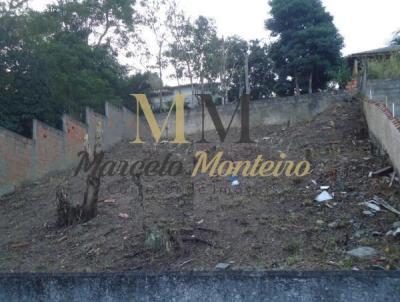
point(15, 158)
point(49, 148)
point(75, 136)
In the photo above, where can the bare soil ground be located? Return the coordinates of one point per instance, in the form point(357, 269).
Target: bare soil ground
point(263, 224)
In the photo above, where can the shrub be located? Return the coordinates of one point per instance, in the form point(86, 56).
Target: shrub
point(384, 68)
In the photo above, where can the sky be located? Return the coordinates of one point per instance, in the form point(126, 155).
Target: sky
point(364, 24)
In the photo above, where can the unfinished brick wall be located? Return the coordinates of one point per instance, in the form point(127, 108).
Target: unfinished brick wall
point(51, 150)
point(16, 160)
point(23, 159)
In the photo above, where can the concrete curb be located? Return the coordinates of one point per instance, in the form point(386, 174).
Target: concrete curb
point(199, 286)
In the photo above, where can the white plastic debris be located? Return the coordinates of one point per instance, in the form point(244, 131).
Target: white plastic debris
point(363, 252)
point(324, 197)
point(222, 266)
point(324, 188)
point(372, 207)
point(235, 183)
point(368, 213)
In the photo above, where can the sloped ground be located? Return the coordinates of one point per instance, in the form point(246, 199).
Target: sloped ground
point(263, 224)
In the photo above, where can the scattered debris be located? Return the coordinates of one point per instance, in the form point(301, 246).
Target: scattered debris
point(374, 208)
point(62, 239)
point(123, 215)
point(363, 252)
point(110, 201)
point(20, 245)
point(384, 204)
point(382, 172)
point(324, 188)
point(324, 197)
point(333, 225)
point(222, 266)
point(396, 225)
point(197, 240)
point(185, 263)
point(368, 213)
point(234, 181)
point(395, 231)
point(392, 179)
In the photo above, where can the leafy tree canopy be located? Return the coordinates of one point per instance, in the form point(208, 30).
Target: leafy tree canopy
point(307, 46)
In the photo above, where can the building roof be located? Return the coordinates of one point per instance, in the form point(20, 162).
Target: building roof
point(376, 52)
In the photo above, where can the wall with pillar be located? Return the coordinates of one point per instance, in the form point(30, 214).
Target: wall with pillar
point(50, 150)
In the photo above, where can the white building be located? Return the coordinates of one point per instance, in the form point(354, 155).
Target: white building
point(169, 94)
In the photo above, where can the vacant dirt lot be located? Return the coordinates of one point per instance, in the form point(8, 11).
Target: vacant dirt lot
point(195, 223)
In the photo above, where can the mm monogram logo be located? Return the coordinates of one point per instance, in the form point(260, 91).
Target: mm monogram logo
point(179, 106)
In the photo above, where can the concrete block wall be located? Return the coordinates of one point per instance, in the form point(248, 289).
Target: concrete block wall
point(49, 150)
point(276, 111)
point(384, 129)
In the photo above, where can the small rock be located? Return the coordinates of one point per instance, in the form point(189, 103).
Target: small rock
point(324, 197)
point(333, 225)
point(222, 266)
point(363, 252)
point(390, 233)
point(359, 234)
point(372, 206)
point(123, 215)
point(396, 225)
point(396, 232)
point(368, 213)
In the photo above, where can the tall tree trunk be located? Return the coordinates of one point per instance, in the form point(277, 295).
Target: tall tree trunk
point(246, 73)
point(160, 94)
point(297, 89)
point(69, 214)
point(310, 84)
point(191, 81)
point(223, 76)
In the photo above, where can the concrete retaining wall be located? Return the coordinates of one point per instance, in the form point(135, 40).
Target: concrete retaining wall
point(384, 129)
point(49, 150)
point(216, 287)
point(276, 111)
point(385, 91)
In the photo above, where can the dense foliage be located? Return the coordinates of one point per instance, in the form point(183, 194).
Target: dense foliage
point(67, 56)
point(307, 47)
point(48, 66)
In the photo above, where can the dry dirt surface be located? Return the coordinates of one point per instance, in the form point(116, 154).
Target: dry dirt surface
point(196, 223)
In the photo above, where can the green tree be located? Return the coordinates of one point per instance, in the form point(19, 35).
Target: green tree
point(307, 46)
point(48, 68)
point(180, 51)
point(205, 46)
point(396, 38)
point(232, 77)
point(262, 78)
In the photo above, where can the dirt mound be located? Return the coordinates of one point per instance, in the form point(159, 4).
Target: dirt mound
point(195, 223)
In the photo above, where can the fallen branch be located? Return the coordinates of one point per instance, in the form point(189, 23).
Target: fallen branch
point(382, 172)
point(381, 202)
point(198, 240)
